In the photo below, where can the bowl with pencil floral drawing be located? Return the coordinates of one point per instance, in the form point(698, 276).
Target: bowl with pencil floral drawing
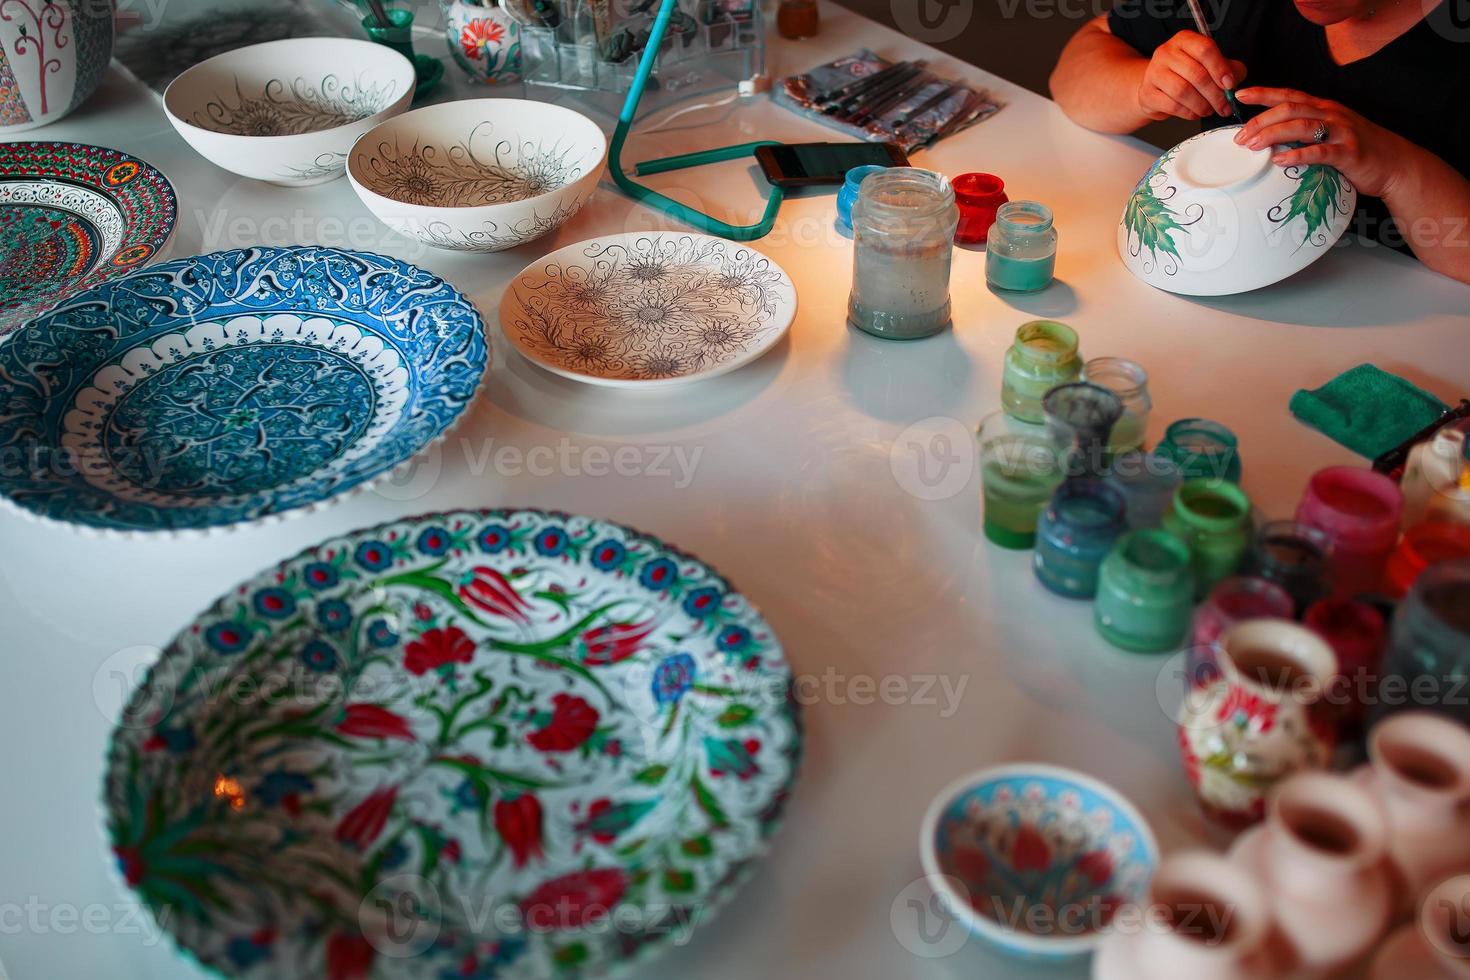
point(478, 175)
point(1213, 218)
point(287, 111)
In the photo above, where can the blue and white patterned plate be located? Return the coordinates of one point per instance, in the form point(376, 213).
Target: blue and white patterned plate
point(232, 387)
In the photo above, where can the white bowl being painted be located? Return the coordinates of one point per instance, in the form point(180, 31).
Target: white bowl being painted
point(287, 111)
point(478, 175)
point(1211, 217)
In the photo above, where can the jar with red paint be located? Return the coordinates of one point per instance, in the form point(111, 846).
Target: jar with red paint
point(1359, 511)
point(1421, 546)
point(1357, 634)
point(979, 196)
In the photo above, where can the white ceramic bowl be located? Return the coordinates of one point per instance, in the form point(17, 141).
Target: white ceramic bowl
point(1211, 218)
point(478, 175)
point(288, 111)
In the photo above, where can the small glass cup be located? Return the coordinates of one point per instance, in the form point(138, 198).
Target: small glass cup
point(1020, 469)
point(1359, 511)
point(1213, 517)
point(1021, 248)
point(1145, 592)
point(1203, 450)
point(1129, 381)
point(1076, 531)
point(1296, 557)
point(1043, 355)
point(1081, 415)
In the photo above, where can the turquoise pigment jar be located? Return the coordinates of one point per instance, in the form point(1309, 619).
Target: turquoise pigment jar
point(1021, 249)
point(1203, 449)
point(847, 196)
point(1213, 519)
point(1145, 592)
point(1043, 355)
point(1076, 531)
point(1148, 483)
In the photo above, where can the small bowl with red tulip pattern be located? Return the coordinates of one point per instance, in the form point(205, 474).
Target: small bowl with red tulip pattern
point(1035, 859)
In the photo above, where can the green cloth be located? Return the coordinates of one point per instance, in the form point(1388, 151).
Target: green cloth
point(1368, 410)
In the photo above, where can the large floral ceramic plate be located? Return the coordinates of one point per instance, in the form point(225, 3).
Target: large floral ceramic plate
point(232, 387)
point(73, 216)
point(648, 310)
point(502, 744)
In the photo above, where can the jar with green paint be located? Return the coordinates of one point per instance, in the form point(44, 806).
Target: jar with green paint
point(1020, 468)
point(1203, 449)
point(1145, 592)
point(1213, 518)
point(1043, 355)
point(1021, 248)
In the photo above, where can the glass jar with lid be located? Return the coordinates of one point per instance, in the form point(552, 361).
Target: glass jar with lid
point(903, 238)
point(1021, 249)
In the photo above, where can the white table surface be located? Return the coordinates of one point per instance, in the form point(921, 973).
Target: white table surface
point(805, 494)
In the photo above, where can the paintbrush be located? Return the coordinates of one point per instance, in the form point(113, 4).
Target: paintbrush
point(845, 109)
point(1204, 28)
point(896, 97)
point(859, 85)
point(908, 117)
point(375, 7)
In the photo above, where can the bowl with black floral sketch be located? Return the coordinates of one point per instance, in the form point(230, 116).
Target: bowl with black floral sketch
point(479, 175)
point(288, 111)
point(1212, 217)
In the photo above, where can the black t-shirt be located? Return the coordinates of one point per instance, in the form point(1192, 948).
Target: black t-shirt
point(1417, 85)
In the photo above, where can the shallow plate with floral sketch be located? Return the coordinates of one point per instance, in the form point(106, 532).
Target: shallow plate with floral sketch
point(1212, 218)
point(506, 744)
point(644, 310)
point(232, 387)
point(73, 216)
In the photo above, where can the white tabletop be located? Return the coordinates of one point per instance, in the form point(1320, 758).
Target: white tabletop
point(805, 492)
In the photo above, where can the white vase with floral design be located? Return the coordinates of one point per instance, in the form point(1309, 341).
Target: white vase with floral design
point(485, 41)
point(53, 54)
point(1260, 720)
point(1419, 770)
point(1322, 857)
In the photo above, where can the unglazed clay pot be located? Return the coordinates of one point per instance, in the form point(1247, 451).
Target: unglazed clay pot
point(1204, 919)
point(1258, 721)
point(1322, 857)
point(1419, 770)
point(1437, 946)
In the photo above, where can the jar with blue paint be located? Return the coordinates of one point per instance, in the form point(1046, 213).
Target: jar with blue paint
point(1021, 249)
point(848, 195)
point(1075, 533)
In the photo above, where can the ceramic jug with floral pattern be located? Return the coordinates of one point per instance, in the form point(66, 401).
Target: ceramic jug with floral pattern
point(53, 54)
point(485, 41)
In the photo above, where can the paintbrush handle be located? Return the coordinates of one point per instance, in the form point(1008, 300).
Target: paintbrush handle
point(855, 104)
point(859, 85)
point(896, 97)
point(375, 7)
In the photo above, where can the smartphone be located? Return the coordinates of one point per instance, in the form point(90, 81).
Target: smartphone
point(809, 164)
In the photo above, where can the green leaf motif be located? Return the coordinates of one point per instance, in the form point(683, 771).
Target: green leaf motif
point(617, 819)
point(652, 776)
point(735, 715)
point(709, 804)
point(697, 847)
point(1150, 220)
point(1315, 199)
point(678, 881)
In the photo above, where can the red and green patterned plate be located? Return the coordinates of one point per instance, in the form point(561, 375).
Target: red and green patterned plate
point(71, 217)
point(503, 744)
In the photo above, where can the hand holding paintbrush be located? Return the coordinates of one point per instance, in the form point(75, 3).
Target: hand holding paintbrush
point(1188, 77)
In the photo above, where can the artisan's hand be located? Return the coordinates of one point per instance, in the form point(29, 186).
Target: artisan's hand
point(1368, 155)
point(1187, 77)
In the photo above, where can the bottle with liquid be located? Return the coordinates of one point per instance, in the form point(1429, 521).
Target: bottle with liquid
point(797, 19)
point(1436, 481)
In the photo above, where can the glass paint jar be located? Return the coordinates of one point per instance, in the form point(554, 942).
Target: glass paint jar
point(1081, 416)
point(1043, 355)
point(1356, 632)
point(1359, 511)
point(903, 238)
point(1021, 248)
point(979, 197)
point(1129, 381)
point(1235, 600)
point(1296, 557)
point(1145, 592)
point(1203, 450)
point(1213, 518)
point(1075, 532)
point(1422, 546)
point(1428, 654)
point(1020, 469)
point(1148, 483)
point(847, 196)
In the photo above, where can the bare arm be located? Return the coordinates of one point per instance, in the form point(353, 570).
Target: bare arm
point(1101, 82)
point(1430, 201)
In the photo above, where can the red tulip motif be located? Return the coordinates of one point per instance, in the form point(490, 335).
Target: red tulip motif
point(438, 647)
point(572, 722)
point(349, 956)
point(518, 822)
point(490, 591)
point(614, 642)
point(575, 900)
point(373, 721)
point(361, 825)
point(1030, 851)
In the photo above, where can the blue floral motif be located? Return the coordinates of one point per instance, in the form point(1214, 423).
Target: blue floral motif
point(434, 541)
point(320, 575)
point(701, 602)
point(659, 574)
point(280, 784)
point(375, 556)
point(505, 952)
point(334, 614)
point(393, 855)
point(733, 639)
point(552, 541)
point(274, 603)
point(380, 633)
point(227, 637)
point(494, 539)
point(319, 657)
point(224, 425)
point(673, 677)
point(608, 555)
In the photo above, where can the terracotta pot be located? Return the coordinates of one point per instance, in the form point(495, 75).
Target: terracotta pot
point(1204, 919)
point(1322, 857)
point(1437, 945)
point(1258, 721)
point(53, 54)
point(1419, 770)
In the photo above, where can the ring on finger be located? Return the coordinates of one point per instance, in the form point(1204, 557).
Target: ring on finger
point(1319, 135)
